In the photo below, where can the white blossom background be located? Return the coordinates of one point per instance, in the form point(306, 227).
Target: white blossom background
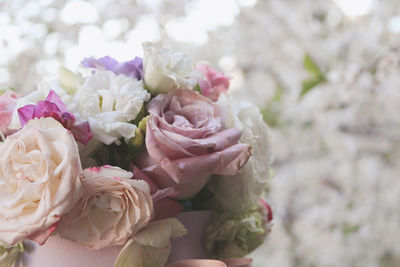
point(334, 117)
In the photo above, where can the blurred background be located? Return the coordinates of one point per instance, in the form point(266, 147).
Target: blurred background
point(325, 73)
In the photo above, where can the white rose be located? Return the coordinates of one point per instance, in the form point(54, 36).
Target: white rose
point(109, 102)
point(39, 180)
point(165, 69)
point(246, 117)
point(248, 185)
point(113, 208)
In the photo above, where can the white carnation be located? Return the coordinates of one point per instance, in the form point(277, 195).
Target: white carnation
point(109, 102)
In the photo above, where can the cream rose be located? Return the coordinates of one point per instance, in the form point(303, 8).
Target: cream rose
point(113, 208)
point(165, 69)
point(39, 180)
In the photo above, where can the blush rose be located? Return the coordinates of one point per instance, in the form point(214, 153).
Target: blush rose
point(187, 142)
point(112, 209)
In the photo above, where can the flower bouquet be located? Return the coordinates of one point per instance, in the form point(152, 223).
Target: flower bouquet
point(107, 157)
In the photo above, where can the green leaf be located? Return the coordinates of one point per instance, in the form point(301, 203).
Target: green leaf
point(271, 116)
point(278, 94)
point(272, 112)
point(316, 78)
point(309, 84)
point(232, 235)
point(348, 229)
point(8, 256)
point(136, 143)
point(310, 65)
point(141, 115)
point(151, 246)
point(197, 88)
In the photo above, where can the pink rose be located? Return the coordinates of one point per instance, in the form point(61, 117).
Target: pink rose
point(187, 143)
point(164, 206)
point(112, 209)
point(39, 180)
point(214, 84)
point(8, 101)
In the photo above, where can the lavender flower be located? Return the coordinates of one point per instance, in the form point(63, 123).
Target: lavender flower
point(132, 68)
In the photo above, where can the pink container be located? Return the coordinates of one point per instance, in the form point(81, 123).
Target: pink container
point(64, 253)
point(197, 263)
point(238, 262)
point(191, 246)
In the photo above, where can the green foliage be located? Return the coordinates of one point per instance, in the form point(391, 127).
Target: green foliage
point(197, 88)
point(271, 112)
point(8, 256)
point(204, 200)
point(310, 65)
point(316, 75)
point(140, 116)
point(233, 235)
point(151, 246)
point(121, 155)
point(2, 91)
point(136, 143)
point(348, 229)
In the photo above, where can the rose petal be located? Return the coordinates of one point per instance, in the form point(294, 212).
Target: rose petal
point(164, 207)
point(214, 82)
point(268, 209)
point(25, 114)
point(54, 98)
point(82, 132)
point(41, 237)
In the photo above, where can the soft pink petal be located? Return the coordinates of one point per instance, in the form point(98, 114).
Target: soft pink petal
point(82, 132)
point(166, 208)
point(46, 109)
point(165, 143)
point(139, 175)
point(8, 101)
point(54, 98)
point(42, 236)
point(226, 162)
point(232, 159)
point(164, 193)
point(187, 143)
point(55, 108)
point(267, 207)
point(25, 114)
point(214, 82)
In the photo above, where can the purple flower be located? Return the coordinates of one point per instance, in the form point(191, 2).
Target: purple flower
point(132, 68)
point(53, 107)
